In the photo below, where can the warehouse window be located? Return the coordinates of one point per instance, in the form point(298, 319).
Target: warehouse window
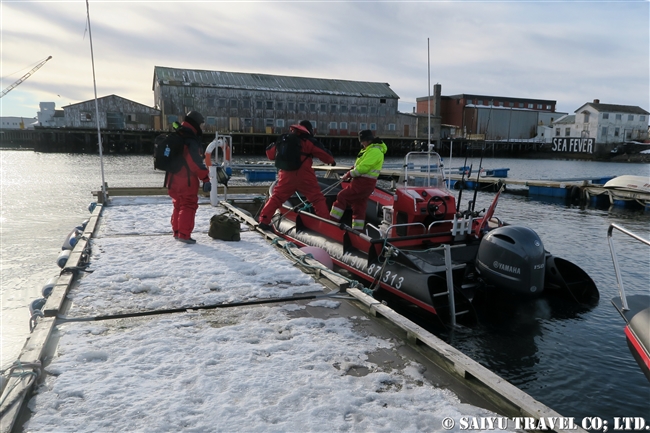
point(233, 103)
point(344, 108)
point(211, 121)
point(269, 105)
point(246, 103)
point(363, 126)
point(259, 105)
point(291, 106)
point(363, 109)
point(344, 125)
point(630, 117)
point(373, 110)
point(603, 131)
point(211, 102)
point(605, 115)
point(301, 106)
point(312, 107)
point(333, 125)
point(567, 132)
point(353, 108)
point(279, 105)
point(373, 126)
point(353, 126)
point(391, 126)
point(279, 123)
point(268, 122)
point(86, 116)
point(323, 108)
point(618, 117)
point(332, 108)
point(557, 132)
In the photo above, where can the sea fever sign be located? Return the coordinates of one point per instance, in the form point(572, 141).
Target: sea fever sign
point(573, 145)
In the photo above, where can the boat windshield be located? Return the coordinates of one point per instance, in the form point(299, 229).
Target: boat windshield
point(422, 169)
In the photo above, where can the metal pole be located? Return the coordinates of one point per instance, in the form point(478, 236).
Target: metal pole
point(428, 99)
point(99, 135)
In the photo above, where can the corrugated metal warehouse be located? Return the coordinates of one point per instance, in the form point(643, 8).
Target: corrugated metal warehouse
point(261, 103)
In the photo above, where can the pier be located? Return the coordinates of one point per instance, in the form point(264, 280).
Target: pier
point(233, 341)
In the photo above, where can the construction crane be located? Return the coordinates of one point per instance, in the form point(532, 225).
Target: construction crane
point(24, 77)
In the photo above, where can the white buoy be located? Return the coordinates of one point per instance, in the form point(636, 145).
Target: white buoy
point(46, 291)
point(71, 239)
point(63, 258)
point(320, 255)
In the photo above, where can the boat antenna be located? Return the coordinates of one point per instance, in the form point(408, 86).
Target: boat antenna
point(428, 98)
point(462, 181)
point(99, 134)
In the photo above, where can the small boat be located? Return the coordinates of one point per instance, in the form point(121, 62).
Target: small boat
point(418, 245)
point(634, 309)
point(629, 189)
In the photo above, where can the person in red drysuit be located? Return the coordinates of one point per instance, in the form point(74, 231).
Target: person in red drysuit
point(183, 186)
point(302, 180)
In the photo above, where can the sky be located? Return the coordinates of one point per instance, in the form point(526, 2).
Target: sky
point(569, 51)
point(261, 368)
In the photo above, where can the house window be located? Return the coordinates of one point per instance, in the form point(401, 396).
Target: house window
point(391, 126)
point(363, 109)
point(586, 117)
point(530, 105)
point(312, 107)
point(279, 105)
point(480, 102)
point(511, 104)
point(630, 117)
point(246, 103)
point(332, 108)
point(301, 106)
point(279, 123)
point(222, 103)
point(557, 132)
point(603, 131)
point(259, 105)
point(344, 108)
point(233, 103)
point(548, 107)
point(333, 125)
point(605, 115)
point(617, 131)
point(211, 102)
point(269, 105)
point(641, 118)
point(539, 106)
point(344, 125)
point(373, 126)
point(521, 105)
point(363, 126)
point(618, 117)
point(567, 132)
point(373, 110)
point(382, 100)
point(323, 108)
point(291, 106)
point(353, 108)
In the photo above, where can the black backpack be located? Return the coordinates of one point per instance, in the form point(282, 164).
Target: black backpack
point(288, 152)
point(168, 152)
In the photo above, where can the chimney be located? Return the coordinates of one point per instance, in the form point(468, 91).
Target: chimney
point(596, 101)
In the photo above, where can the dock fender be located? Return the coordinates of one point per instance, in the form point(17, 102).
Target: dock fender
point(46, 291)
point(63, 258)
point(575, 195)
point(71, 240)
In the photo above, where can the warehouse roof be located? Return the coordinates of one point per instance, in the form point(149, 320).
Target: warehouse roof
point(274, 83)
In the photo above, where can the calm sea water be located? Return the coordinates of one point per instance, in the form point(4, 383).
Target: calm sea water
point(576, 362)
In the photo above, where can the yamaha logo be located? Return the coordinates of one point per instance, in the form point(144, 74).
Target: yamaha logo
point(507, 268)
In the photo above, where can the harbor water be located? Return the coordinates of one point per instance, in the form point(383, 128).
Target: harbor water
point(575, 361)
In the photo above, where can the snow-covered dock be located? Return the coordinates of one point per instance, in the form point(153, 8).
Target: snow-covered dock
point(127, 347)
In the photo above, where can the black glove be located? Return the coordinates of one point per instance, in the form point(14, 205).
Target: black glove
point(333, 164)
point(207, 186)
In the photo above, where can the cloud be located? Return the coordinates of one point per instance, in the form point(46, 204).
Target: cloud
point(571, 52)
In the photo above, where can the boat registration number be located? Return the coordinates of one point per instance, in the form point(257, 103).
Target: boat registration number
point(388, 277)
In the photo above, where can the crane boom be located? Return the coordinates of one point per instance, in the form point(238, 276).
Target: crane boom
point(24, 77)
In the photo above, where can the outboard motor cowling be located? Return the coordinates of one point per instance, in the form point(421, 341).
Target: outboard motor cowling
point(512, 258)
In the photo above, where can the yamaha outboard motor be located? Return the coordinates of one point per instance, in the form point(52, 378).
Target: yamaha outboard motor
point(513, 259)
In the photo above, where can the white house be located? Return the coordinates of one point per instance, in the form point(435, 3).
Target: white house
point(604, 123)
